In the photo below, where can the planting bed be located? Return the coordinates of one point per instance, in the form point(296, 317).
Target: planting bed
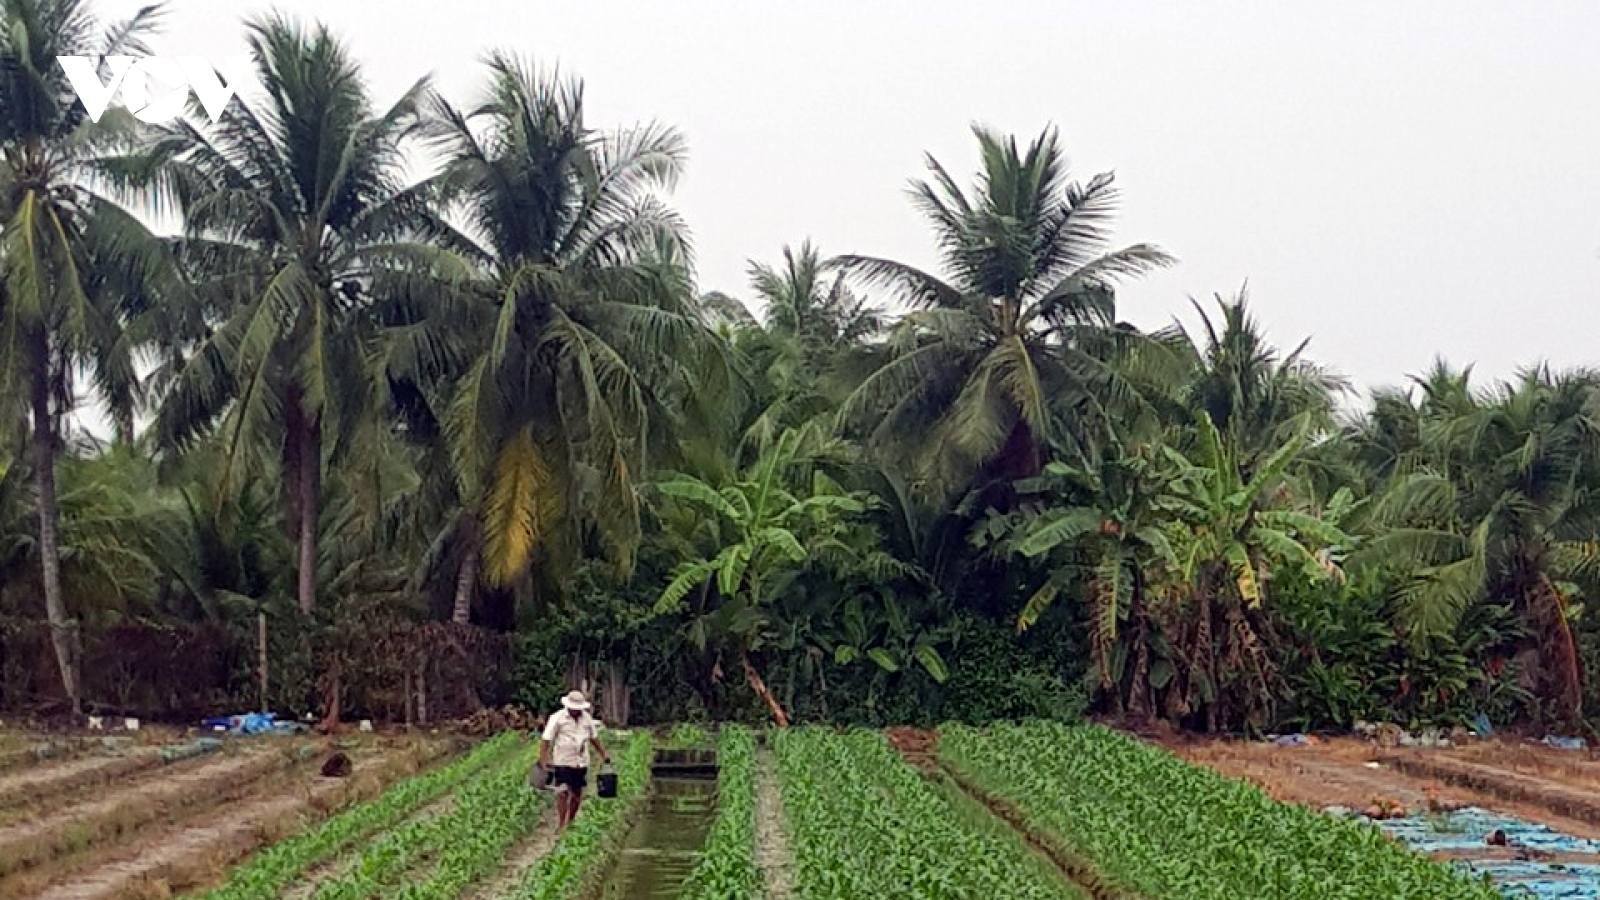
point(120, 820)
point(863, 823)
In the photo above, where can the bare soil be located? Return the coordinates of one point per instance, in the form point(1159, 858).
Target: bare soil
point(60, 780)
point(197, 852)
point(1561, 793)
point(772, 841)
point(121, 811)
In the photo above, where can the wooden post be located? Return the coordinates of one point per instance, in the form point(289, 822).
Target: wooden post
point(261, 656)
point(422, 694)
point(408, 697)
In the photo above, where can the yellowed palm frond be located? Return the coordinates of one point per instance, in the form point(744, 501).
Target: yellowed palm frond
point(1020, 379)
point(618, 513)
point(522, 508)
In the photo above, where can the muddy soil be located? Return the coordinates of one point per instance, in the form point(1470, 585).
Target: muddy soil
point(916, 745)
point(1351, 773)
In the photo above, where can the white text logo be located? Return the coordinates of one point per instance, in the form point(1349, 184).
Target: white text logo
point(154, 88)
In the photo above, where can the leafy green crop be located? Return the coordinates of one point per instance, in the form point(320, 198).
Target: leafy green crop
point(862, 823)
point(463, 839)
point(274, 868)
point(727, 870)
point(600, 825)
point(686, 735)
point(505, 813)
point(1172, 831)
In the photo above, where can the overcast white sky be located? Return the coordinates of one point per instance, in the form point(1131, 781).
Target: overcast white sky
point(1395, 180)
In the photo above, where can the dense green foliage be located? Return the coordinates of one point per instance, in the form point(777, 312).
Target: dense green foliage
point(875, 495)
point(727, 871)
point(275, 868)
point(862, 823)
point(1171, 831)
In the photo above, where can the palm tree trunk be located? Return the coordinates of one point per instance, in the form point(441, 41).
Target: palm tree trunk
point(467, 578)
point(1560, 652)
point(308, 460)
point(44, 450)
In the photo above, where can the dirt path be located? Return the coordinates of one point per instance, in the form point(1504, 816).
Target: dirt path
point(522, 857)
point(915, 745)
point(121, 812)
point(56, 780)
point(199, 851)
point(772, 841)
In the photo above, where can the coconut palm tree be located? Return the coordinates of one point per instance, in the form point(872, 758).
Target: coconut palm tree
point(295, 213)
point(1256, 397)
point(991, 360)
point(64, 252)
point(591, 342)
point(798, 362)
point(1493, 505)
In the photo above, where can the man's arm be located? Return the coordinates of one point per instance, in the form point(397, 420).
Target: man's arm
point(604, 756)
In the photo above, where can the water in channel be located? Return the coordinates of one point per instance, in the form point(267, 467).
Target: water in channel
point(666, 844)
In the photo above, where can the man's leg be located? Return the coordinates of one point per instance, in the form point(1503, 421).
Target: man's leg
point(577, 801)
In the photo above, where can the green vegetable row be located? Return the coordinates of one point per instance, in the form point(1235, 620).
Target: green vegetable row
point(270, 871)
point(727, 870)
point(599, 828)
point(402, 850)
point(862, 823)
point(1172, 831)
point(489, 824)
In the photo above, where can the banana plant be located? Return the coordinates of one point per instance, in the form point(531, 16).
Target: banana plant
point(886, 636)
point(756, 534)
point(1104, 527)
point(1233, 530)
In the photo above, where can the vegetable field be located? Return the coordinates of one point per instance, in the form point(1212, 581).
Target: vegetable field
point(1020, 811)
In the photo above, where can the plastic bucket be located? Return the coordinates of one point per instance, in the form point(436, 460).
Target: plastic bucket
point(606, 784)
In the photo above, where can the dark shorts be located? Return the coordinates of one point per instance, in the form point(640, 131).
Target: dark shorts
point(574, 778)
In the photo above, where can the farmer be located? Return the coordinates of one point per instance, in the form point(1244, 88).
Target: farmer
point(564, 752)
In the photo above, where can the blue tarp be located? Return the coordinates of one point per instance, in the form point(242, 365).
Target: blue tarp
point(1468, 829)
point(251, 723)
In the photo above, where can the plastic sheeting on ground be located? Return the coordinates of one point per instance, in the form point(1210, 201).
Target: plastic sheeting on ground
point(174, 752)
point(252, 723)
point(1468, 829)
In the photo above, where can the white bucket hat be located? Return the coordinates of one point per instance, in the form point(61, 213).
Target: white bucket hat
point(575, 701)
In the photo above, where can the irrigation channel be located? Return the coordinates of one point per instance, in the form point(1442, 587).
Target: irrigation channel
point(665, 845)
